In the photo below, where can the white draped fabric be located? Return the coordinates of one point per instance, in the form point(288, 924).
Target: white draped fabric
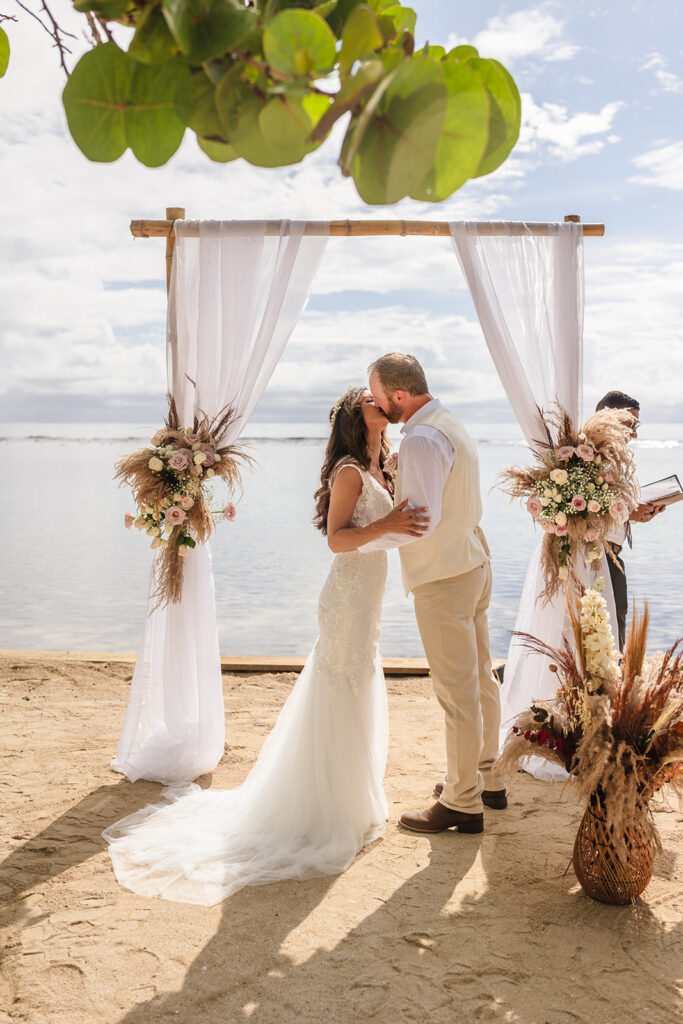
point(236, 295)
point(527, 290)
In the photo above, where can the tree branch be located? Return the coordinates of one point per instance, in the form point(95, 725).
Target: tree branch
point(56, 33)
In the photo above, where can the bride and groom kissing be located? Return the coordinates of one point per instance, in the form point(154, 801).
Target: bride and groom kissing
point(315, 796)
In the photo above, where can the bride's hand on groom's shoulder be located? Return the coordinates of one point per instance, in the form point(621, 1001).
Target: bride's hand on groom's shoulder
point(413, 521)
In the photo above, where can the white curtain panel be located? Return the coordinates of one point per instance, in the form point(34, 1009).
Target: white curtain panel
point(237, 292)
point(527, 289)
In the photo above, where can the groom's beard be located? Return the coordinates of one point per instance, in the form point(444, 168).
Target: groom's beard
point(392, 411)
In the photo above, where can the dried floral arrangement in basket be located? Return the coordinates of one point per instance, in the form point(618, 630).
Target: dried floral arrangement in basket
point(169, 483)
point(582, 483)
point(617, 727)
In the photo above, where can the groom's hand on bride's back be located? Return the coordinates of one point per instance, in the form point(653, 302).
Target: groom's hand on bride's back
point(412, 521)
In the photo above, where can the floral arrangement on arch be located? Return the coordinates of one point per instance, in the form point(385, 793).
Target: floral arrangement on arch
point(169, 483)
point(616, 726)
point(582, 484)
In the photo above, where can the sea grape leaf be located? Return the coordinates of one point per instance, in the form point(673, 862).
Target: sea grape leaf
point(464, 135)
point(361, 37)
point(152, 42)
point(112, 102)
point(207, 28)
point(282, 133)
point(204, 119)
point(219, 152)
point(299, 42)
point(504, 116)
point(108, 9)
point(462, 53)
point(399, 144)
point(4, 52)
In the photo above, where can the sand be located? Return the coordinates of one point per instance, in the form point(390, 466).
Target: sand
point(444, 929)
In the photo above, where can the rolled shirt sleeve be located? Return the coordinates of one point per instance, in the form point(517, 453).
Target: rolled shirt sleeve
point(425, 460)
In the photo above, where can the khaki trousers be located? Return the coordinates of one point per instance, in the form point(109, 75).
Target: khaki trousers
point(452, 619)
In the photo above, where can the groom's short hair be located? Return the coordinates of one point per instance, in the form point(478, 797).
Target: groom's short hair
point(617, 400)
point(398, 371)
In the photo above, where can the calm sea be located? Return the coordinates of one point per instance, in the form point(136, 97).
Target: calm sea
point(74, 578)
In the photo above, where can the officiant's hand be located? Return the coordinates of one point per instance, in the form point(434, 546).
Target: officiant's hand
point(644, 513)
point(413, 521)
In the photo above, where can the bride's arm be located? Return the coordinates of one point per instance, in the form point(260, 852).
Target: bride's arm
point(341, 536)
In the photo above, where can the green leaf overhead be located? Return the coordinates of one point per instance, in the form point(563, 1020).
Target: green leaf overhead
point(361, 36)
point(399, 145)
point(153, 42)
point(113, 102)
point(505, 113)
point(464, 135)
point(268, 81)
point(208, 28)
point(299, 43)
point(4, 52)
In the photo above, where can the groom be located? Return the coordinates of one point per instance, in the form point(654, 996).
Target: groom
point(448, 572)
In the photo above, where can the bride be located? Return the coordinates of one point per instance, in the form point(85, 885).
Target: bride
point(314, 797)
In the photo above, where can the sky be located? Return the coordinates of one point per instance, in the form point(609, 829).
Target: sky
point(82, 304)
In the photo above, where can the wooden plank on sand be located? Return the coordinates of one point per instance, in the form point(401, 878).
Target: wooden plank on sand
point(249, 663)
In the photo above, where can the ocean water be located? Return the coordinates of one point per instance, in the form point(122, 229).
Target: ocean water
point(74, 578)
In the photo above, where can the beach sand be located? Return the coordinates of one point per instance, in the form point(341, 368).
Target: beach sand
point(444, 929)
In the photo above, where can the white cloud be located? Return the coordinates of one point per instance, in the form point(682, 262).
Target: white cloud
point(658, 64)
point(531, 32)
point(662, 167)
point(551, 126)
point(633, 334)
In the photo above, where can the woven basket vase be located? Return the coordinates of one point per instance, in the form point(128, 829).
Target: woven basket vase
point(603, 873)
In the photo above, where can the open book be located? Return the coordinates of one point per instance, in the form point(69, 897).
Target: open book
point(662, 492)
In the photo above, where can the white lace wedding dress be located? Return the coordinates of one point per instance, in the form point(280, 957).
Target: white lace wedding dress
point(314, 797)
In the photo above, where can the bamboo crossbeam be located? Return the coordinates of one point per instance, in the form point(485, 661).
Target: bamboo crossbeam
point(372, 228)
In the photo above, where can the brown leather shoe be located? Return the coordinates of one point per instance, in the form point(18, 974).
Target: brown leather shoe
point(495, 798)
point(438, 818)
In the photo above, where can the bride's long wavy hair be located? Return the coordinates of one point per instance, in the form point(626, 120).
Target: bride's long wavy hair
point(348, 439)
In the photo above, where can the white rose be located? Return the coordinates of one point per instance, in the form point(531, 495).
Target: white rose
point(199, 458)
point(561, 519)
point(590, 487)
point(605, 487)
point(547, 493)
point(216, 457)
point(155, 464)
point(210, 473)
point(545, 502)
point(599, 480)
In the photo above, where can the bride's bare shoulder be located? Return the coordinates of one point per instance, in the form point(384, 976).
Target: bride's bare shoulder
point(347, 469)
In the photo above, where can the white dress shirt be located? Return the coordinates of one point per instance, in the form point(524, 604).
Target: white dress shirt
point(425, 460)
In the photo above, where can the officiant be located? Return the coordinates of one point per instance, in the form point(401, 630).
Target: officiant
point(621, 534)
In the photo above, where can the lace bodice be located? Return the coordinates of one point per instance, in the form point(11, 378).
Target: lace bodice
point(373, 501)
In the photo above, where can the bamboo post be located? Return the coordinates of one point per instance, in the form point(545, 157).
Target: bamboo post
point(173, 213)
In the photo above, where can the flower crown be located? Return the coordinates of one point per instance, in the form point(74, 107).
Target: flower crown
point(337, 406)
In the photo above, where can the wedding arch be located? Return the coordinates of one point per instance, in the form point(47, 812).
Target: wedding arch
point(236, 290)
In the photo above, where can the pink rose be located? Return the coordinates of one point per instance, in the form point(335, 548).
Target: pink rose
point(578, 503)
point(592, 534)
point(560, 531)
point(565, 452)
point(619, 510)
point(586, 452)
point(180, 460)
point(174, 516)
point(192, 438)
point(210, 453)
point(186, 502)
point(230, 512)
point(535, 507)
point(608, 476)
point(593, 506)
point(129, 520)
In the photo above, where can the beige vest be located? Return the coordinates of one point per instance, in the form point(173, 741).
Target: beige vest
point(457, 544)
